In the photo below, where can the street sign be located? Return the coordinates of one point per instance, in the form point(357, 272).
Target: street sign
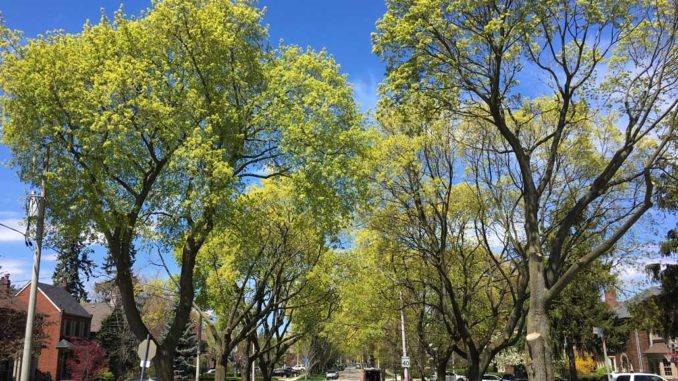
point(405, 361)
point(145, 364)
point(141, 350)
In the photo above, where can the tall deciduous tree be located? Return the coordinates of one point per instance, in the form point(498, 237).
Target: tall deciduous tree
point(267, 270)
point(433, 231)
point(154, 124)
point(576, 101)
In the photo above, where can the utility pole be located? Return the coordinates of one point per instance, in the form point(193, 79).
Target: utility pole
point(402, 327)
point(37, 211)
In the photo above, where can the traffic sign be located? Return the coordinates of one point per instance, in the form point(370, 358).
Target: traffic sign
point(145, 364)
point(405, 361)
point(145, 345)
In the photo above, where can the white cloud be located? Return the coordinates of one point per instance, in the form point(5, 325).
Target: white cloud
point(50, 257)
point(365, 92)
point(636, 271)
point(15, 267)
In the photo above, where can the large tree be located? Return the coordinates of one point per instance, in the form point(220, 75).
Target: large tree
point(265, 273)
point(73, 264)
point(577, 103)
point(432, 229)
point(154, 124)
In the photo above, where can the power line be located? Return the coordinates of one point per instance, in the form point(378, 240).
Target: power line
point(14, 230)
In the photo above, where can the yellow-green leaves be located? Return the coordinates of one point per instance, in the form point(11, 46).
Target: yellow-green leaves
point(175, 112)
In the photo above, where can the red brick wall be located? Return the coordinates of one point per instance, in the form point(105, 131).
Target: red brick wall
point(48, 360)
point(631, 351)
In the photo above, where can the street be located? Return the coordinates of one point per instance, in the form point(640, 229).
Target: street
point(350, 374)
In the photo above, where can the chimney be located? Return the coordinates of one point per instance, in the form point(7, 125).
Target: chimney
point(5, 288)
point(611, 297)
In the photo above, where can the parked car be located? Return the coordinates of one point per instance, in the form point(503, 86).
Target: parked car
point(331, 374)
point(289, 372)
point(278, 372)
point(298, 368)
point(358, 366)
point(510, 377)
point(490, 377)
point(637, 377)
point(450, 376)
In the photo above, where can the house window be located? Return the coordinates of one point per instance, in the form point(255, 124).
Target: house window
point(667, 368)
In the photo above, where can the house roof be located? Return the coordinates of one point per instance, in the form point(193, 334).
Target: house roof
point(658, 348)
point(61, 299)
point(99, 312)
point(622, 309)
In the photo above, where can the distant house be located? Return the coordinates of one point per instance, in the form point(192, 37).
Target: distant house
point(99, 312)
point(65, 319)
point(645, 351)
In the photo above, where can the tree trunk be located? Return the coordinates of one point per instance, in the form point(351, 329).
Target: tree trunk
point(569, 350)
point(220, 369)
point(441, 366)
point(164, 364)
point(477, 367)
point(538, 339)
point(473, 370)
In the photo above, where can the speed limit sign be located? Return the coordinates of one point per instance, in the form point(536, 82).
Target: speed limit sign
point(405, 361)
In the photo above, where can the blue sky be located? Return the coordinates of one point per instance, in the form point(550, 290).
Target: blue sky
point(342, 27)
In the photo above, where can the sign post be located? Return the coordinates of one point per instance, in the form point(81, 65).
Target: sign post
point(146, 352)
point(601, 333)
point(405, 361)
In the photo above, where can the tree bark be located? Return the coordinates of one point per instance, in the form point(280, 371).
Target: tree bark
point(538, 340)
point(164, 364)
point(569, 350)
point(473, 371)
point(220, 369)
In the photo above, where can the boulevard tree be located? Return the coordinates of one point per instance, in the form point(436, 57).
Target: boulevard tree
point(267, 274)
point(154, 124)
point(575, 101)
point(433, 231)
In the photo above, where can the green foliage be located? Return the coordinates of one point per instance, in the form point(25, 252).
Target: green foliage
point(579, 308)
point(184, 354)
point(107, 376)
point(118, 343)
point(73, 260)
point(156, 124)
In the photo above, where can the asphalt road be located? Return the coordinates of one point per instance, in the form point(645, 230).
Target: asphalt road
point(350, 374)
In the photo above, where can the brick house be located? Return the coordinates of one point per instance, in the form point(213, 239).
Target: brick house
point(644, 351)
point(65, 318)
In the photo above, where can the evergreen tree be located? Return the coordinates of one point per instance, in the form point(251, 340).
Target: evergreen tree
point(184, 355)
point(119, 343)
point(73, 263)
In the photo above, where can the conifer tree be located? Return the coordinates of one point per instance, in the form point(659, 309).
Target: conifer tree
point(73, 267)
point(118, 342)
point(184, 355)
